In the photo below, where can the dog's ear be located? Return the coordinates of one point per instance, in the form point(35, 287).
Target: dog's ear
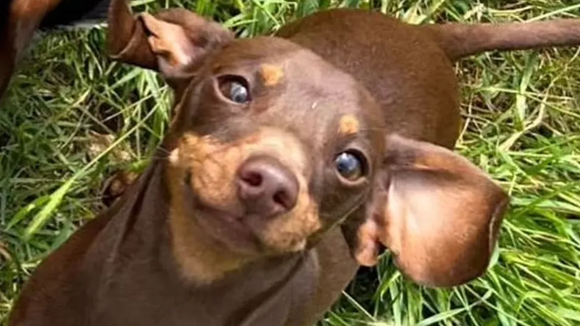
point(436, 212)
point(172, 42)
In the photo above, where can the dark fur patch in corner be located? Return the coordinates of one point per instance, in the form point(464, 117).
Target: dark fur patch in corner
point(71, 12)
point(4, 13)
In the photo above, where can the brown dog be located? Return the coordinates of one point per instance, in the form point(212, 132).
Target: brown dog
point(20, 19)
point(289, 159)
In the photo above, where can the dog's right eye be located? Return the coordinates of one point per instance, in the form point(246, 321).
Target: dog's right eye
point(350, 165)
point(235, 89)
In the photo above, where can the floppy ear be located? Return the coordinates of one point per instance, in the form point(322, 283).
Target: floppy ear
point(172, 42)
point(435, 211)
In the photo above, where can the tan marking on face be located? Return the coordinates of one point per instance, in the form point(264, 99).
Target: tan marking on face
point(201, 258)
point(213, 166)
point(348, 125)
point(289, 232)
point(271, 74)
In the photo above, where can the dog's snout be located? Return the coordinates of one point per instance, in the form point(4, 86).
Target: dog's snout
point(266, 187)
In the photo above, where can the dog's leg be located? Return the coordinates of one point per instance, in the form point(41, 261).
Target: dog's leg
point(20, 19)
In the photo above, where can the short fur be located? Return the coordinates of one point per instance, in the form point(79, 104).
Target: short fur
point(180, 248)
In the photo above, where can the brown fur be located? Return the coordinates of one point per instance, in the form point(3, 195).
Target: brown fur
point(460, 40)
point(24, 17)
point(212, 166)
point(179, 249)
point(23, 20)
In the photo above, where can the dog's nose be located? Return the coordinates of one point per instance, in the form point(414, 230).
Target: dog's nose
point(266, 187)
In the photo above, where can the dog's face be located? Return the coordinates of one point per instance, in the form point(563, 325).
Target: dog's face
point(274, 145)
point(271, 146)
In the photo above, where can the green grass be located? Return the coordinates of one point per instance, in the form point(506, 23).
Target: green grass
point(522, 126)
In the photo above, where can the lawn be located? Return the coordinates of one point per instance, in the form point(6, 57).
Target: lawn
point(522, 125)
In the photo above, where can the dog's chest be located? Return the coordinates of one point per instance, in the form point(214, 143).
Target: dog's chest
point(274, 297)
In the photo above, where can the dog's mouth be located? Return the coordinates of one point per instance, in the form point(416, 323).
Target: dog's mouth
point(228, 225)
point(230, 230)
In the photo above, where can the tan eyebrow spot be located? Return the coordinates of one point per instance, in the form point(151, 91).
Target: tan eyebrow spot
point(348, 125)
point(271, 74)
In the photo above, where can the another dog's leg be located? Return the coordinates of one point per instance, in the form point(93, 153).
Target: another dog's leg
point(20, 19)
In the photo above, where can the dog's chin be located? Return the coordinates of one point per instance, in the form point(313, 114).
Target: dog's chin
point(241, 236)
point(230, 230)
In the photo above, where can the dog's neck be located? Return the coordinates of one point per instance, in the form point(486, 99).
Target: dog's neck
point(137, 257)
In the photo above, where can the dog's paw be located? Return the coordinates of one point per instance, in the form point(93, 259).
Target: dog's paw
point(116, 185)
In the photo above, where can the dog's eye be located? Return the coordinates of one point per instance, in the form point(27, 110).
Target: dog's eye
point(238, 93)
point(349, 166)
point(235, 89)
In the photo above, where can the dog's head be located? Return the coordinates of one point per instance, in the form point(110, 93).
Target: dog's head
point(271, 146)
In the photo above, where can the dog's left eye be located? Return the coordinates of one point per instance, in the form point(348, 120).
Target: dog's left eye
point(235, 89)
point(349, 166)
